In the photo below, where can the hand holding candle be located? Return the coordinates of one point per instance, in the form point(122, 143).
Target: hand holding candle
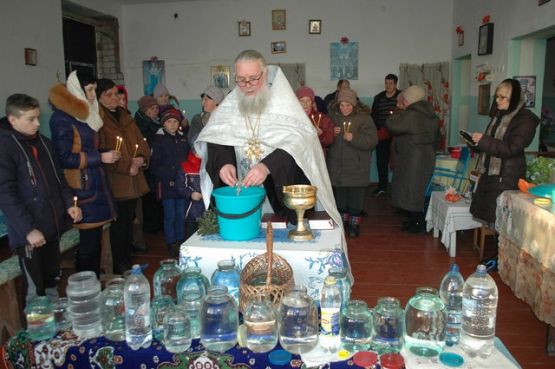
point(74, 201)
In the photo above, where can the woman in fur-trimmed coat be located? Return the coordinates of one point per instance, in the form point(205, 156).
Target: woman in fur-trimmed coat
point(74, 127)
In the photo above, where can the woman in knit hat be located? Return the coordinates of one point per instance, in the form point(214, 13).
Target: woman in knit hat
point(169, 150)
point(349, 158)
point(211, 98)
point(163, 97)
point(415, 129)
point(74, 126)
point(322, 123)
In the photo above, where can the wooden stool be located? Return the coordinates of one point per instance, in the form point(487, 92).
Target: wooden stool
point(482, 232)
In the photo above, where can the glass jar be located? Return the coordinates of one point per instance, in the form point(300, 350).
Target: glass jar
point(166, 278)
point(227, 275)
point(356, 326)
point(425, 322)
point(85, 298)
point(177, 330)
point(219, 320)
point(192, 303)
point(298, 321)
point(343, 283)
point(39, 313)
point(191, 281)
point(261, 324)
point(159, 308)
point(113, 310)
point(388, 326)
point(61, 314)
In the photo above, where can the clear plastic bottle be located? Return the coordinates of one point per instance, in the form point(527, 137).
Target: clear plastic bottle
point(330, 314)
point(479, 309)
point(343, 283)
point(451, 292)
point(138, 331)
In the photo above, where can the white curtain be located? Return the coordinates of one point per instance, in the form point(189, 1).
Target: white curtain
point(434, 79)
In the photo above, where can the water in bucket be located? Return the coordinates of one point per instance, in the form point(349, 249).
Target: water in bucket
point(233, 210)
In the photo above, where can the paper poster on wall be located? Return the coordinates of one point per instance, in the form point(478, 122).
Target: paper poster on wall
point(343, 60)
point(154, 72)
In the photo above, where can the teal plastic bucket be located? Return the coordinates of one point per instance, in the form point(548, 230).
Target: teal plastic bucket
point(239, 215)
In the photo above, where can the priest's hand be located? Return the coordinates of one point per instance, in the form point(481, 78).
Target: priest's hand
point(256, 176)
point(228, 175)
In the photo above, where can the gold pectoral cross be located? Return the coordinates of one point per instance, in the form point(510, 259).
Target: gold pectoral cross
point(254, 150)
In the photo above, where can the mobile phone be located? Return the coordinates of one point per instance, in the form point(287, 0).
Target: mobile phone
point(467, 137)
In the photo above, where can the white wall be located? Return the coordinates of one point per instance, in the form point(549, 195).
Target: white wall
point(205, 34)
point(35, 24)
point(511, 18)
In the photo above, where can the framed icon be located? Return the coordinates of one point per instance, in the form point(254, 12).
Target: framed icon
point(279, 47)
point(485, 39)
point(279, 20)
point(314, 26)
point(30, 56)
point(244, 28)
point(219, 75)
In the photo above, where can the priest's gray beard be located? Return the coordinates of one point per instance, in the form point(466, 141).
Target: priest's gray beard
point(254, 105)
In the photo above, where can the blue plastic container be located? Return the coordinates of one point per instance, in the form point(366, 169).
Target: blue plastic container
point(236, 218)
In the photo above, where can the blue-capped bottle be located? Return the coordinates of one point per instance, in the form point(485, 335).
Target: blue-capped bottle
point(136, 297)
point(451, 292)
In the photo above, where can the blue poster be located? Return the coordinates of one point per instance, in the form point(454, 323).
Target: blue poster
point(343, 60)
point(153, 73)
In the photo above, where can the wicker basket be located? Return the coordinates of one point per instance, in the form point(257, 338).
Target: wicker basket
point(266, 274)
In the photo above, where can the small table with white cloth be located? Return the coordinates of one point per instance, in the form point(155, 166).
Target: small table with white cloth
point(449, 217)
point(310, 260)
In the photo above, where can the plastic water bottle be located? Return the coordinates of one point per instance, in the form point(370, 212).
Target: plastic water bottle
point(330, 310)
point(451, 292)
point(479, 309)
point(136, 297)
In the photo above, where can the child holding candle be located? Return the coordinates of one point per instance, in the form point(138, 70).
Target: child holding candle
point(169, 150)
point(349, 158)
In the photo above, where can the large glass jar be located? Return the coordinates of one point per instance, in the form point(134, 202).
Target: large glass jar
point(166, 278)
point(227, 275)
point(84, 296)
point(177, 330)
point(113, 310)
point(261, 324)
point(388, 326)
point(159, 308)
point(191, 281)
point(39, 313)
point(219, 320)
point(343, 283)
point(425, 322)
point(298, 321)
point(192, 303)
point(356, 326)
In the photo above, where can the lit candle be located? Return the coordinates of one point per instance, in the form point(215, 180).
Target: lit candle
point(74, 201)
point(348, 127)
point(344, 130)
point(136, 148)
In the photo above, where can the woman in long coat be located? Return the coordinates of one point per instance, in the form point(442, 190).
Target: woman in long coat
point(501, 161)
point(74, 126)
point(415, 130)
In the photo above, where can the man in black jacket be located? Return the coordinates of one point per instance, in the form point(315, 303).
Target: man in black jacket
point(34, 196)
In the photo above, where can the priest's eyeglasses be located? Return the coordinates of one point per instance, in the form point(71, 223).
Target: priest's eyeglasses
point(242, 82)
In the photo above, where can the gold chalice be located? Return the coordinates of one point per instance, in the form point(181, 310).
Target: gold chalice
point(300, 198)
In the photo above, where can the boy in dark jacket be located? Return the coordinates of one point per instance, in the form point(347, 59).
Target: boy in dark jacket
point(34, 196)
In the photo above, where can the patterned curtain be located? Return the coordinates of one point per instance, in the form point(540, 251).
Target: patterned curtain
point(434, 78)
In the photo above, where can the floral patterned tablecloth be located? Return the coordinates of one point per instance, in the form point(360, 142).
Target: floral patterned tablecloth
point(527, 251)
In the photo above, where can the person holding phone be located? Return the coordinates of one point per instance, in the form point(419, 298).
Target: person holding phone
point(501, 161)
